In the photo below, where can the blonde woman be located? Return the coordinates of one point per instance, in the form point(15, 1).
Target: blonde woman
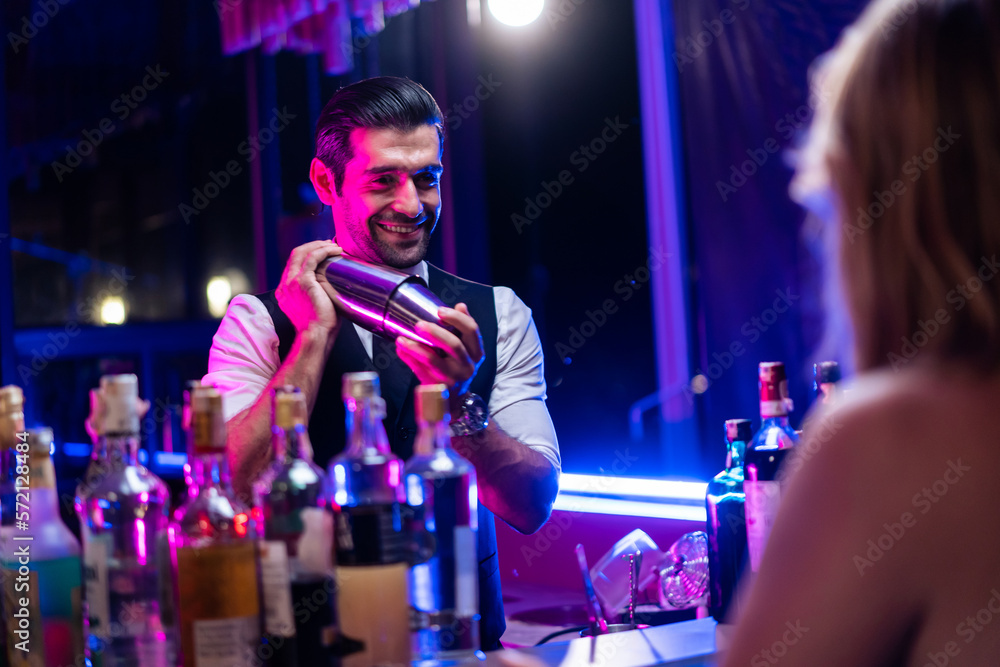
point(886, 550)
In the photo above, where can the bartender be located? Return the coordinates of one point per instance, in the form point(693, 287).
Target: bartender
point(378, 166)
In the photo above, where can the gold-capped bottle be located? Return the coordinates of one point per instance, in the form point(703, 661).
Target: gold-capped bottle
point(298, 539)
point(213, 548)
point(371, 543)
point(444, 583)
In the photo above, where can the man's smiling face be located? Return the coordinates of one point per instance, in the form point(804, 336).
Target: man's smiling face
point(391, 197)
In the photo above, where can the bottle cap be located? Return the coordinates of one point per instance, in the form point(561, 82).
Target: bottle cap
point(826, 372)
point(190, 387)
point(361, 385)
point(774, 400)
point(431, 401)
point(11, 414)
point(738, 430)
point(121, 399)
point(40, 441)
point(208, 426)
point(289, 406)
point(11, 399)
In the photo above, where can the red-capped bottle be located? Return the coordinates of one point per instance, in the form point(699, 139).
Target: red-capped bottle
point(764, 457)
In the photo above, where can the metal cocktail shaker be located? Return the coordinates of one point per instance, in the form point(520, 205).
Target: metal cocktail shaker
point(383, 300)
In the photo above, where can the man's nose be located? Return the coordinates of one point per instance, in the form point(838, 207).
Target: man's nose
point(407, 201)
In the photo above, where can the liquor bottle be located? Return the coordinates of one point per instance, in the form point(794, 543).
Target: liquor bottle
point(769, 448)
point(11, 430)
point(124, 515)
point(296, 563)
point(726, 525)
point(826, 375)
point(444, 584)
point(371, 544)
point(213, 549)
point(41, 566)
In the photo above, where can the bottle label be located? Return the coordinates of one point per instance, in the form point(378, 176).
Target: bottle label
point(24, 651)
point(370, 535)
point(96, 551)
point(373, 608)
point(224, 642)
point(274, 571)
point(778, 408)
point(315, 546)
point(217, 592)
point(52, 589)
point(466, 573)
point(762, 503)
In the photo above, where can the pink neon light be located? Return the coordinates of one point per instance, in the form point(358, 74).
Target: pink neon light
point(140, 541)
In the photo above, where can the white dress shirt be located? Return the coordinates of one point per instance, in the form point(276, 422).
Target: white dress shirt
point(244, 358)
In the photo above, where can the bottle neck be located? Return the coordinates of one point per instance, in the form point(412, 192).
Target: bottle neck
point(211, 471)
point(99, 452)
point(734, 459)
point(827, 393)
point(122, 448)
point(291, 443)
point(773, 420)
point(431, 436)
point(365, 431)
point(44, 500)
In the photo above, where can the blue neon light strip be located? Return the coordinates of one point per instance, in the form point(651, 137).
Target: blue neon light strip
point(616, 507)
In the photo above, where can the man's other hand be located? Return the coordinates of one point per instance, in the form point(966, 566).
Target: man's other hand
point(461, 358)
point(305, 295)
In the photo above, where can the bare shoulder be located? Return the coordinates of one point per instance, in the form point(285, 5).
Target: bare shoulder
point(916, 416)
point(885, 488)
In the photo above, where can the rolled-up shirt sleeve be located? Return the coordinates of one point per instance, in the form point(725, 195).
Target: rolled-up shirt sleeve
point(517, 401)
point(244, 355)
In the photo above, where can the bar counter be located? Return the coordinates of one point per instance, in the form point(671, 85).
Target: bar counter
point(687, 643)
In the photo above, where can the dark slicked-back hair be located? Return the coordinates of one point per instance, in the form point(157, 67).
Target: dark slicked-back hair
point(385, 102)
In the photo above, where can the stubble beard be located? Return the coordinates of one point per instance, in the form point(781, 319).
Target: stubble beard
point(368, 236)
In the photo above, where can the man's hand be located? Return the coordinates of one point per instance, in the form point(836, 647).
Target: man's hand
point(305, 295)
point(462, 356)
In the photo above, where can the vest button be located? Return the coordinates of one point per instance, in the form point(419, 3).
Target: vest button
point(404, 432)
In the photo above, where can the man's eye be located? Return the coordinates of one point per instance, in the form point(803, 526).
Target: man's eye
point(428, 180)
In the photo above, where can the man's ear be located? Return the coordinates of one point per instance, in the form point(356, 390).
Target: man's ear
point(322, 180)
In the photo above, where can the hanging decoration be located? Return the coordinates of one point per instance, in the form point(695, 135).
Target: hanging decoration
point(305, 26)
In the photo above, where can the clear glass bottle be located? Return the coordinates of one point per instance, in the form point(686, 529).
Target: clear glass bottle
point(124, 515)
point(371, 544)
point(39, 541)
point(213, 549)
point(444, 583)
point(725, 503)
point(296, 551)
point(764, 457)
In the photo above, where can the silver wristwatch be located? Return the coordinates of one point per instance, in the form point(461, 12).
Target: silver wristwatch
point(472, 417)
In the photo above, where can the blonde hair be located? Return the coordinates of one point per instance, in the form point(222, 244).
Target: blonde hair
point(907, 136)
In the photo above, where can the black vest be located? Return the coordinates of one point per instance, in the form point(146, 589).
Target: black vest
point(327, 424)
